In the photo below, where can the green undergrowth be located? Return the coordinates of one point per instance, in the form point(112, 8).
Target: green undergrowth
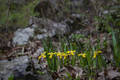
point(73, 53)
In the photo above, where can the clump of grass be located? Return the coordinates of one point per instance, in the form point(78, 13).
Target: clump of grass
point(89, 59)
point(116, 46)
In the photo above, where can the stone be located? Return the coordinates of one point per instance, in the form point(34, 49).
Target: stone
point(51, 26)
point(42, 28)
point(23, 68)
point(21, 36)
point(41, 36)
point(38, 52)
point(7, 67)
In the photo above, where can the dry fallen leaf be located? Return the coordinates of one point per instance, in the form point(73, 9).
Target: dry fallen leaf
point(110, 74)
point(73, 71)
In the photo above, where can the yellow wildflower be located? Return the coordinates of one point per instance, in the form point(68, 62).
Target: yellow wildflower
point(96, 53)
point(42, 55)
point(99, 52)
point(79, 54)
point(83, 55)
point(51, 55)
point(58, 54)
point(71, 52)
point(64, 55)
point(39, 57)
point(68, 52)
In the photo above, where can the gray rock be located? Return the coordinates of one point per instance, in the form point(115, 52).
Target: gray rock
point(41, 36)
point(47, 34)
point(22, 69)
point(7, 67)
point(50, 26)
point(43, 27)
point(22, 36)
point(38, 52)
point(105, 12)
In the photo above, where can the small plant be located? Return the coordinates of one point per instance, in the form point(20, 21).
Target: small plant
point(11, 77)
point(110, 23)
point(89, 60)
point(116, 47)
point(72, 54)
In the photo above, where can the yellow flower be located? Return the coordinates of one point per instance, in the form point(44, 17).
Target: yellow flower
point(42, 55)
point(96, 53)
point(83, 55)
point(39, 57)
point(99, 52)
point(51, 54)
point(80, 54)
point(64, 55)
point(58, 54)
point(68, 52)
point(71, 52)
